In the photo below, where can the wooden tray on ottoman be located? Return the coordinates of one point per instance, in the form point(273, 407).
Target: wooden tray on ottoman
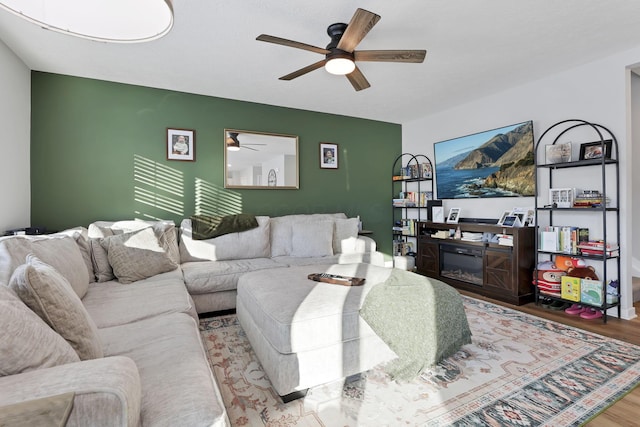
point(336, 279)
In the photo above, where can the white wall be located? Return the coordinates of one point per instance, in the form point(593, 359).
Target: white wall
point(635, 173)
point(15, 119)
point(598, 92)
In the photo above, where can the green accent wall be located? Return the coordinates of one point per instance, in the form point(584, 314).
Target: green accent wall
point(98, 152)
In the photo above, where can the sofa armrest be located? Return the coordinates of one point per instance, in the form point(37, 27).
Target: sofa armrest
point(364, 244)
point(107, 391)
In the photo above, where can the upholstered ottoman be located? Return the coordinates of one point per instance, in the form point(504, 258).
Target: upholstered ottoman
point(307, 333)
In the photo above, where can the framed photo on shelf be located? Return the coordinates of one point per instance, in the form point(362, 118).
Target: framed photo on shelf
point(503, 216)
point(437, 213)
point(558, 153)
point(454, 215)
point(328, 156)
point(593, 150)
point(181, 144)
point(512, 221)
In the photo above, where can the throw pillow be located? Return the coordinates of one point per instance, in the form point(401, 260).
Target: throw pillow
point(50, 296)
point(137, 255)
point(165, 231)
point(100, 261)
point(312, 239)
point(26, 342)
point(346, 230)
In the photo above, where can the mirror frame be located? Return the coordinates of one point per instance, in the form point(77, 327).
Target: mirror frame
point(261, 135)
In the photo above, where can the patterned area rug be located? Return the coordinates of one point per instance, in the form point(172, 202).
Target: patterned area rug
point(520, 370)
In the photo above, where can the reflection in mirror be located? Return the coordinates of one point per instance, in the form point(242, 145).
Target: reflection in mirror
point(260, 160)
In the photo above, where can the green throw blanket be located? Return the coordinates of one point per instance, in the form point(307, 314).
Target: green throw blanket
point(208, 227)
point(421, 319)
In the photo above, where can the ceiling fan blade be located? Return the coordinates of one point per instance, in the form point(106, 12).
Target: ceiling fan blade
point(291, 43)
point(361, 23)
point(416, 56)
point(249, 148)
point(305, 70)
point(358, 80)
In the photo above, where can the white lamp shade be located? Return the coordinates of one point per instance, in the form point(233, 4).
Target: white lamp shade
point(121, 21)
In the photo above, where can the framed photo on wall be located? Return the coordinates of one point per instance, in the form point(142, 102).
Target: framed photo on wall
point(181, 144)
point(328, 156)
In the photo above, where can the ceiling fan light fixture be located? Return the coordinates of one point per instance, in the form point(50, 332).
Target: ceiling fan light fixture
point(340, 63)
point(232, 142)
point(115, 21)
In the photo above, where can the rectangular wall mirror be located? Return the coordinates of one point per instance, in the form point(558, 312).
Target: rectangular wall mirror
point(260, 160)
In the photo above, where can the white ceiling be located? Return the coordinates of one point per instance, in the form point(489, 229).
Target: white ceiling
point(474, 48)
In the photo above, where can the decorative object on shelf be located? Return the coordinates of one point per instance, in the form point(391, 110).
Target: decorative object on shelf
point(454, 215)
point(475, 165)
point(558, 153)
point(249, 156)
point(561, 197)
point(593, 150)
point(181, 144)
point(328, 156)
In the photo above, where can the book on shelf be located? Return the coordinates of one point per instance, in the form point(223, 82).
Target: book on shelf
point(598, 248)
point(424, 169)
point(590, 199)
point(564, 239)
point(409, 199)
point(406, 227)
point(505, 240)
point(401, 247)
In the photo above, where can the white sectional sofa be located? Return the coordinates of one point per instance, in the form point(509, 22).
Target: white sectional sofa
point(107, 312)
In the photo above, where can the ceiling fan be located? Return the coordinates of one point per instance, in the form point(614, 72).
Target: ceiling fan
point(340, 53)
point(233, 143)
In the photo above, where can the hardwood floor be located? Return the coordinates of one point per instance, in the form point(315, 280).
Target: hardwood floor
point(625, 412)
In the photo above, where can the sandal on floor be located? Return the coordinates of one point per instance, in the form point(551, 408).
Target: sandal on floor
point(591, 313)
point(575, 309)
point(559, 305)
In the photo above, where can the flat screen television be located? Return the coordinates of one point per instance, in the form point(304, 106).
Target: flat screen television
point(493, 163)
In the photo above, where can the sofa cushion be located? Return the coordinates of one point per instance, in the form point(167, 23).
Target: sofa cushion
point(248, 244)
point(51, 297)
point(80, 235)
point(345, 235)
point(26, 342)
point(178, 388)
point(312, 239)
point(203, 277)
point(113, 303)
point(136, 255)
point(282, 229)
point(61, 252)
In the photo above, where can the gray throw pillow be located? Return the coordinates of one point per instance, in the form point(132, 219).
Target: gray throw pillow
point(50, 296)
point(137, 255)
point(26, 342)
point(312, 239)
